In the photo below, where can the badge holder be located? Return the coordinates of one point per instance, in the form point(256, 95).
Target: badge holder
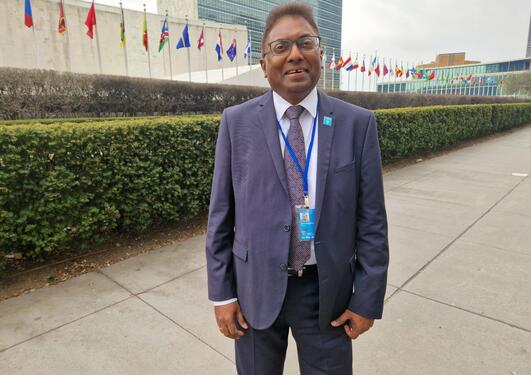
point(306, 220)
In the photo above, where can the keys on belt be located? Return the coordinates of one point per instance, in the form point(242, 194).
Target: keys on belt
point(303, 271)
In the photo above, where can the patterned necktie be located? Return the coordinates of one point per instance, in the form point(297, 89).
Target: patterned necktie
point(299, 252)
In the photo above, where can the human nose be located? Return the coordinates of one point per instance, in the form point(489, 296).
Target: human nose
point(294, 53)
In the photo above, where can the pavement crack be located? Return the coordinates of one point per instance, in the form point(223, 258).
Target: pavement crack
point(458, 236)
point(185, 329)
point(465, 310)
point(66, 323)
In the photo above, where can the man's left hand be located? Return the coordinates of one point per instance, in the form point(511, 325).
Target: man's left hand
point(353, 323)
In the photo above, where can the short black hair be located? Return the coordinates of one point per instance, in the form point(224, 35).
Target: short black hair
point(289, 9)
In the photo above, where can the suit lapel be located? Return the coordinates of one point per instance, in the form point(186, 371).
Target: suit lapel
point(266, 118)
point(324, 142)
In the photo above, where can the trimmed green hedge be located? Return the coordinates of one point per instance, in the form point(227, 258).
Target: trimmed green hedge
point(71, 184)
point(407, 132)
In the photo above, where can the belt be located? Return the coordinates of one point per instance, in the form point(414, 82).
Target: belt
point(305, 270)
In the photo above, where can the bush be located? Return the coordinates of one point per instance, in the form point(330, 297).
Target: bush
point(409, 131)
point(51, 94)
point(71, 184)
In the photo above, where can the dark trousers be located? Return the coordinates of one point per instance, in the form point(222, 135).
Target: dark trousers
point(262, 352)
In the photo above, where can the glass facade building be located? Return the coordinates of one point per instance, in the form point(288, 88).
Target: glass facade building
point(328, 14)
point(474, 79)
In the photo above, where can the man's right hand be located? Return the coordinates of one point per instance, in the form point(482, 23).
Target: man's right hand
point(226, 317)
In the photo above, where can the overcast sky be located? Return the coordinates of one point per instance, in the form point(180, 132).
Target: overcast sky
point(417, 30)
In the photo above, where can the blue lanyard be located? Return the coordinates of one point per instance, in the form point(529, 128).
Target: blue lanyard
point(304, 172)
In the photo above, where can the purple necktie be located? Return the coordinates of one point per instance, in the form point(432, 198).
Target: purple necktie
point(299, 251)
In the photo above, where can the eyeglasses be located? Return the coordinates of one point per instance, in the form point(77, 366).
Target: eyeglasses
point(307, 43)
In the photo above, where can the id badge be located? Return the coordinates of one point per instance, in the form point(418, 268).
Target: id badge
point(306, 223)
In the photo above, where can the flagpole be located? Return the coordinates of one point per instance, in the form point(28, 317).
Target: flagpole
point(35, 47)
point(375, 78)
point(250, 50)
point(333, 57)
point(248, 43)
point(383, 77)
point(98, 43)
point(394, 83)
point(68, 54)
point(124, 41)
point(147, 45)
point(340, 73)
point(348, 72)
point(356, 77)
point(205, 48)
point(221, 43)
point(398, 78)
point(236, 46)
point(405, 78)
point(169, 43)
point(363, 76)
point(401, 76)
point(324, 68)
point(389, 77)
point(188, 54)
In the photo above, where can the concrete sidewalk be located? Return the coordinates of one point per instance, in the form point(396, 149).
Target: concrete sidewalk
point(458, 302)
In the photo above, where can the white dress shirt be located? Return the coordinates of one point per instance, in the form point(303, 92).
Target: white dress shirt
point(306, 120)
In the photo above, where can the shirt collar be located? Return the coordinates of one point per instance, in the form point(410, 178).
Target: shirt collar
point(309, 103)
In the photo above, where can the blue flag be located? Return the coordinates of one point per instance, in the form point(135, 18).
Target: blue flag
point(184, 40)
point(231, 51)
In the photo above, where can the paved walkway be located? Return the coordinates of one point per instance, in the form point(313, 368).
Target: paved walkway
point(459, 295)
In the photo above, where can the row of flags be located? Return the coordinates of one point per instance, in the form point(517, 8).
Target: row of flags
point(347, 64)
point(350, 65)
point(183, 42)
point(398, 71)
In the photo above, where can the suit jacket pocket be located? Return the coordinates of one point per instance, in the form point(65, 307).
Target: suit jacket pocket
point(239, 250)
point(345, 167)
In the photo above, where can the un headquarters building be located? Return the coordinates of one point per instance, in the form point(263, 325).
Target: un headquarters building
point(253, 13)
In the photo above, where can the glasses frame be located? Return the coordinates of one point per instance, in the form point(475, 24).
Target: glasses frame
point(291, 44)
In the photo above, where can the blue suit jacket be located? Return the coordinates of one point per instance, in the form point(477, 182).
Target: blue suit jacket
point(248, 235)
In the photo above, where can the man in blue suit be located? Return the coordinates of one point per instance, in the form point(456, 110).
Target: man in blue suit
point(297, 230)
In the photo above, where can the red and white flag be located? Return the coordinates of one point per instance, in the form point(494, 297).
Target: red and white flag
point(201, 40)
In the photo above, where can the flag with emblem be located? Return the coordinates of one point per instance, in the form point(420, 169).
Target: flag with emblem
point(145, 33)
point(164, 35)
point(231, 51)
point(201, 40)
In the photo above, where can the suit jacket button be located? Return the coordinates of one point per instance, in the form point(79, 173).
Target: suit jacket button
point(283, 267)
point(287, 228)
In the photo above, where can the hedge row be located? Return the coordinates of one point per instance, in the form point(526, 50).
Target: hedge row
point(50, 94)
point(70, 185)
point(409, 131)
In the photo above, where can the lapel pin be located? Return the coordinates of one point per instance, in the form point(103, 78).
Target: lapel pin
point(327, 121)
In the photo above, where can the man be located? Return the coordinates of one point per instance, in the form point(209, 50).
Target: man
point(297, 231)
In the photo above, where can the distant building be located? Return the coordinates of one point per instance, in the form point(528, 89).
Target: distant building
point(483, 79)
point(448, 59)
point(328, 15)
